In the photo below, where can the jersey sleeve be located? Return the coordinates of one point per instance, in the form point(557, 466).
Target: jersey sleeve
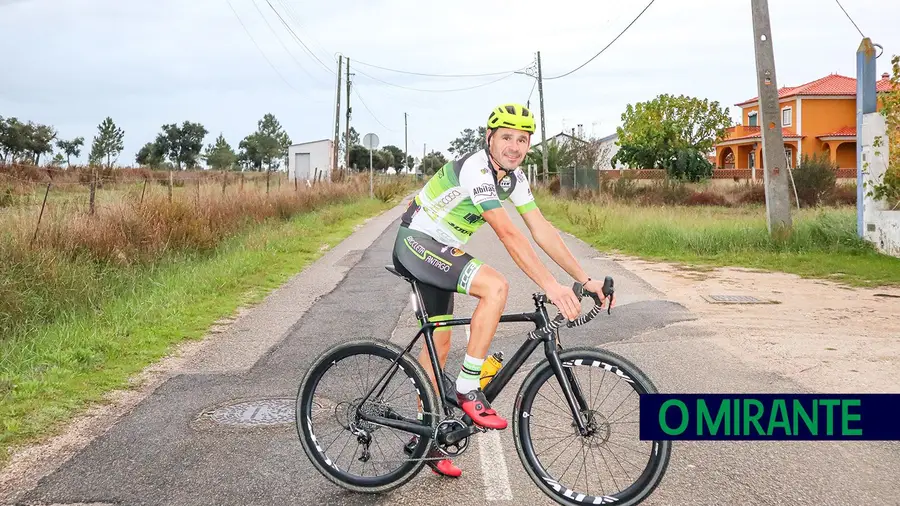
point(521, 195)
point(478, 183)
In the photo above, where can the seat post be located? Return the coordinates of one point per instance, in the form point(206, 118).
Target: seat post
point(418, 302)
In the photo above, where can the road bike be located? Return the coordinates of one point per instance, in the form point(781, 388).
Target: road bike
point(430, 419)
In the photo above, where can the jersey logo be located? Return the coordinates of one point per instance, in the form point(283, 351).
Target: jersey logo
point(457, 252)
point(472, 218)
point(506, 183)
point(486, 189)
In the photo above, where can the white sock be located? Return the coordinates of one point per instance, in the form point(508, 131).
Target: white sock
point(469, 377)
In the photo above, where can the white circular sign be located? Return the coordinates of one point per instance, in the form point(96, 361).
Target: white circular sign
point(370, 141)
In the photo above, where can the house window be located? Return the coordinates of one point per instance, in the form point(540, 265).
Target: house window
point(789, 155)
point(751, 160)
point(751, 119)
point(786, 116)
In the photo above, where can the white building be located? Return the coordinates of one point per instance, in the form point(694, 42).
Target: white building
point(305, 158)
point(608, 148)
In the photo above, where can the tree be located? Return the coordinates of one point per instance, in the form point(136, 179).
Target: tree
point(432, 162)
point(397, 156)
point(182, 144)
point(39, 140)
point(151, 155)
point(657, 132)
point(220, 156)
point(560, 155)
point(108, 142)
point(468, 141)
point(71, 148)
point(268, 145)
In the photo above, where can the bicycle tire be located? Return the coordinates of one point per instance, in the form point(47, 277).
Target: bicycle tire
point(659, 455)
point(304, 405)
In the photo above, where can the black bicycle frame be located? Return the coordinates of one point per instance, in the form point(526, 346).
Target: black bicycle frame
point(539, 317)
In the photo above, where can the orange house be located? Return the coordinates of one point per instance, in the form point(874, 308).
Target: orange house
point(816, 117)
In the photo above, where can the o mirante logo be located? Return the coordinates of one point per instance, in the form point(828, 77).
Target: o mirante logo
point(770, 417)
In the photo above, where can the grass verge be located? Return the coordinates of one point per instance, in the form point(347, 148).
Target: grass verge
point(824, 243)
point(52, 371)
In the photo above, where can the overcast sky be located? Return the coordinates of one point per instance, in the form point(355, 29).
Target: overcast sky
point(71, 63)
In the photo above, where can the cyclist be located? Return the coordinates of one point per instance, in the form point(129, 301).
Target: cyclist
point(460, 197)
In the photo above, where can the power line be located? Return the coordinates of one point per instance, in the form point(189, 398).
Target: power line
point(298, 39)
point(607, 46)
point(436, 75)
point(260, 49)
point(435, 91)
point(292, 15)
point(356, 90)
point(288, 51)
point(851, 19)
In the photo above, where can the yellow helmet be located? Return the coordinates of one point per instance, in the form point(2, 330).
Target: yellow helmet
point(514, 116)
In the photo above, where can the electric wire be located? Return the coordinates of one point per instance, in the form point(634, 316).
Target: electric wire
point(850, 18)
point(363, 102)
point(607, 46)
point(298, 39)
point(288, 51)
point(434, 91)
point(260, 49)
point(486, 74)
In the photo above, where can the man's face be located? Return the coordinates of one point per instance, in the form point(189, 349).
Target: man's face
point(509, 147)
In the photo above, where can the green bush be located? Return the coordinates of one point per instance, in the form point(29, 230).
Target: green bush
point(814, 180)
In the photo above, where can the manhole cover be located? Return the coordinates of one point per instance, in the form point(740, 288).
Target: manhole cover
point(736, 299)
point(256, 413)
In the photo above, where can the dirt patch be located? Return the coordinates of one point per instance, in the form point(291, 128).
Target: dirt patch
point(826, 336)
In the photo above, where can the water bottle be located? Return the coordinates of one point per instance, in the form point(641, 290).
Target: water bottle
point(490, 367)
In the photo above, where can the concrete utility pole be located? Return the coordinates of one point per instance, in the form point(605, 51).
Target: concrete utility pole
point(347, 142)
point(866, 103)
point(543, 123)
point(778, 202)
point(337, 119)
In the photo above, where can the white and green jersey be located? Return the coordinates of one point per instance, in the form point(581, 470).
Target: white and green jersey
point(450, 205)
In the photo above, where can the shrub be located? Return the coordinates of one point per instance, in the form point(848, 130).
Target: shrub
point(706, 198)
point(814, 179)
point(689, 164)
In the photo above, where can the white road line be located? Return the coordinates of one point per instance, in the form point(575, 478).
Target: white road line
point(493, 467)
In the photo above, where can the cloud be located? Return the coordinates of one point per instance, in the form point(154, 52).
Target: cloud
point(146, 63)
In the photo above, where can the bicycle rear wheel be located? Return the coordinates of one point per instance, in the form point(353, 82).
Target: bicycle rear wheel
point(351, 452)
point(568, 466)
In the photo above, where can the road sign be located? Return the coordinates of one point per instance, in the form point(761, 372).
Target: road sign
point(370, 141)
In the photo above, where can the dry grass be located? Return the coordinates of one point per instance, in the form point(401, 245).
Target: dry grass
point(77, 258)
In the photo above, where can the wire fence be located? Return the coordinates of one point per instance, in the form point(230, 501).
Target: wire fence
point(35, 192)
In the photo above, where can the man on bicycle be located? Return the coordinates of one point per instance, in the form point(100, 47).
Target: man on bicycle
point(460, 197)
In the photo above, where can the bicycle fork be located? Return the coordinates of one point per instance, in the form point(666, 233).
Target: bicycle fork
point(569, 385)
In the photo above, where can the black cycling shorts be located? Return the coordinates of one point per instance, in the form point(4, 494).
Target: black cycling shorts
point(442, 269)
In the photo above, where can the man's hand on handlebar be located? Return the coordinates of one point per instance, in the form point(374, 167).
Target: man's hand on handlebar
point(596, 286)
point(564, 298)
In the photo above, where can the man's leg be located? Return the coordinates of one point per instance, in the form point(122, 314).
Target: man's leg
point(442, 346)
point(492, 290)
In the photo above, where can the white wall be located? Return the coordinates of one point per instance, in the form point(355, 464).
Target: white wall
point(608, 148)
point(881, 226)
point(320, 156)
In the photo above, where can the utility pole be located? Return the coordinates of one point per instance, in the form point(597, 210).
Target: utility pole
point(543, 123)
point(778, 201)
point(405, 144)
point(347, 140)
point(337, 119)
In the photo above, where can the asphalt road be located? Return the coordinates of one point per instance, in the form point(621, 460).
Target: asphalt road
point(169, 451)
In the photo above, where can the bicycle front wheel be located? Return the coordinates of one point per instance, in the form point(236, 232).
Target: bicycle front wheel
point(353, 453)
point(609, 465)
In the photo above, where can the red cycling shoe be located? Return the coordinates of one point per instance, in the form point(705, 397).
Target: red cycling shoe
point(443, 467)
point(479, 410)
